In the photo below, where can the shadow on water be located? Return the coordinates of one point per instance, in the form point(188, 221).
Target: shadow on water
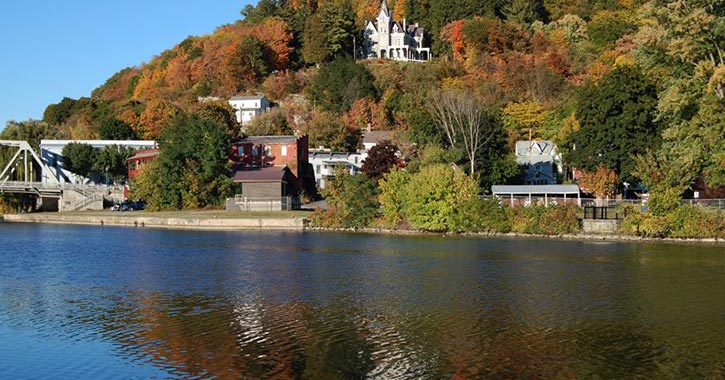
point(331, 306)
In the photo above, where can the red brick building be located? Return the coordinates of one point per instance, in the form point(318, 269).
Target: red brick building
point(270, 167)
point(138, 160)
point(265, 151)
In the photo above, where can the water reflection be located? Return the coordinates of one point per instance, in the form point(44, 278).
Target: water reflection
point(316, 306)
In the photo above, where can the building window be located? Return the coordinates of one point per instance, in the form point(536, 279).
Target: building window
point(317, 169)
point(284, 151)
point(267, 151)
point(240, 151)
point(255, 151)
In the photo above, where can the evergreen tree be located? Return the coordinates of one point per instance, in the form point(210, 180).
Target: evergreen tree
point(617, 122)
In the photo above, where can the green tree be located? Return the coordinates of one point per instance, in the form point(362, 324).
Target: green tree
point(31, 131)
point(114, 129)
point(314, 46)
point(111, 162)
point(352, 200)
point(263, 10)
point(338, 23)
point(192, 168)
point(393, 195)
point(435, 197)
point(56, 114)
point(339, 83)
point(616, 118)
point(79, 158)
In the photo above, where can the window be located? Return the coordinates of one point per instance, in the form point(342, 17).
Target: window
point(255, 151)
point(267, 151)
point(317, 168)
point(240, 150)
point(284, 150)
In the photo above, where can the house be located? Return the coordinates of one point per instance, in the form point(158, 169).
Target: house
point(247, 108)
point(271, 167)
point(540, 161)
point(264, 151)
point(139, 160)
point(372, 138)
point(51, 152)
point(271, 188)
point(389, 39)
point(324, 164)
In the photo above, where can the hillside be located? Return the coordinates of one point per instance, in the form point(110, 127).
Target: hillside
point(655, 69)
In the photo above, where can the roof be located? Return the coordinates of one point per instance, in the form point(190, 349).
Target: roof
point(251, 97)
point(268, 140)
point(140, 155)
point(384, 9)
point(374, 137)
point(530, 148)
point(269, 174)
point(534, 189)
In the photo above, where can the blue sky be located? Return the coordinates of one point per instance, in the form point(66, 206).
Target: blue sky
point(53, 49)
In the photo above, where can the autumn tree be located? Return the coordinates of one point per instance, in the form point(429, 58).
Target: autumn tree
point(465, 123)
point(157, 115)
point(601, 182)
point(380, 160)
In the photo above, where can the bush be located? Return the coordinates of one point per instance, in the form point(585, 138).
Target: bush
point(680, 222)
point(481, 215)
point(538, 219)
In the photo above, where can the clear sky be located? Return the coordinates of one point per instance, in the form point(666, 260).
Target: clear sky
point(51, 49)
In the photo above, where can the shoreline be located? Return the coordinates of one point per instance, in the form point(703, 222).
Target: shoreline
point(605, 238)
point(224, 221)
point(149, 220)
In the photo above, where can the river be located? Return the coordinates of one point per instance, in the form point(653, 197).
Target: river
point(79, 302)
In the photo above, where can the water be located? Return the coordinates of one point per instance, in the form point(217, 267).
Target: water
point(112, 303)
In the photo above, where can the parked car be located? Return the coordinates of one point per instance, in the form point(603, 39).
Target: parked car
point(129, 206)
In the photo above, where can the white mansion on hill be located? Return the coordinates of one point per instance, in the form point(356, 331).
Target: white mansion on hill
point(390, 39)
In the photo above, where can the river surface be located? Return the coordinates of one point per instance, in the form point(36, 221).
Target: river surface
point(79, 302)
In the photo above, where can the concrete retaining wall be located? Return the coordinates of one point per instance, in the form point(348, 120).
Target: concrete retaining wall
point(177, 223)
point(600, 226)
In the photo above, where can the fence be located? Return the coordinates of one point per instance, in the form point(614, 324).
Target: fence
point(265, 204)
point(604, 213)
point(536, 200)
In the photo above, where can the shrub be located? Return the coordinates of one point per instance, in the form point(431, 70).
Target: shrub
point(538, 219)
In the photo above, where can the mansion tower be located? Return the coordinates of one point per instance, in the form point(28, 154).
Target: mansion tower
point(389, 39)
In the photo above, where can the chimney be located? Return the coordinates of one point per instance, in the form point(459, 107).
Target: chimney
point(369, 128)
point(405, 28)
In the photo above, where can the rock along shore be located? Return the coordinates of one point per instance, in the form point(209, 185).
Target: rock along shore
point(138, 221)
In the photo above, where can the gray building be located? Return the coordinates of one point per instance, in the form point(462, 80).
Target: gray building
point(540, 160)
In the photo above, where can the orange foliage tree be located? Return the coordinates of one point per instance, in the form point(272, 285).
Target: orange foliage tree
point(601, 182)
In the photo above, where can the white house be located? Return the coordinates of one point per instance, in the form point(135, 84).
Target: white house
point(247, 108)
point(541, 161)
point(389, 39)
point(324, 164)
point(51, 152)
point(372, 138)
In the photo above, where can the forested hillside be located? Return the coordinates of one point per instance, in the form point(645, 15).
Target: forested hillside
point(630, 87)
